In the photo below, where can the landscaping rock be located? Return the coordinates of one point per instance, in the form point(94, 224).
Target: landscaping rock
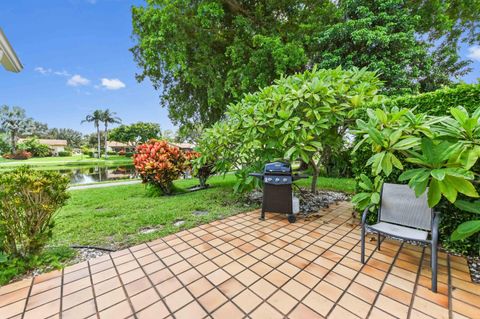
point(309, 202)
point(149, 230)
point(179, 223)
point(474, 265)
point(200, 212)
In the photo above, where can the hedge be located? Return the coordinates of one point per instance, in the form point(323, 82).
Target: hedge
point(434, 103)
point(438, 102)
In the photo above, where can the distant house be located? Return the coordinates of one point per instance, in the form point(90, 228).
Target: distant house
point(184, 146)
point(8, 57)
point(55, 145)
point(113, 146)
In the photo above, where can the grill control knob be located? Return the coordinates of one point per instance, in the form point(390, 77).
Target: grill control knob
point(277, 179)
point(269, 179)
point(284, 179)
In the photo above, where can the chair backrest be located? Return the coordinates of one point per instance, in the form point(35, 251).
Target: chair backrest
point(399, 205)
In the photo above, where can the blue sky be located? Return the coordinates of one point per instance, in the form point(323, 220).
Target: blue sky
point(67, 47)
point(76, 59)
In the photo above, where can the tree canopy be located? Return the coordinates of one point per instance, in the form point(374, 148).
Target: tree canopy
point(135, 133)
point(205, 54)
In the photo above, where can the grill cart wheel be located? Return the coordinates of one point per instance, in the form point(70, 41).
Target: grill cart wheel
point(292, 218)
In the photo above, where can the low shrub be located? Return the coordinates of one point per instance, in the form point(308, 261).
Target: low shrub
point(52, 258)
point(111, 153)
point(28, 200)
point(33, 146)
point(64, 153)
point(129, 154)
point(18, 155)
point(159, 164)
point(122, 152)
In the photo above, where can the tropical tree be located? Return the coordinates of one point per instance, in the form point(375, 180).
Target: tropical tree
point(206, 54)
point(73, 137)
point(135, 133)
point(96, 118)
point(296, 118)
point(108, 117)
point(14, 122)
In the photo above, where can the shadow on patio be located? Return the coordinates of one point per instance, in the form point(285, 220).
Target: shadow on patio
point(240, 267)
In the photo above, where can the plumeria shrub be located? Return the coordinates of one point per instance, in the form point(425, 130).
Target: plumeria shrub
point(159, 164)
point(433, 154)
point(304, 116)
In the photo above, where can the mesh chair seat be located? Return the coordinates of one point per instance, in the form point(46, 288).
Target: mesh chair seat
point(399, 231)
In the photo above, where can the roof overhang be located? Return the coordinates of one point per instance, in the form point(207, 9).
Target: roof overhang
point(8, 58)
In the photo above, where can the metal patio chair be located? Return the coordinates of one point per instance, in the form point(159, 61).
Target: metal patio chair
point(401, 215)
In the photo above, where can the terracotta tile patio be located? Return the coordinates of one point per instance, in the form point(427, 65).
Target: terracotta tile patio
point(243, 268)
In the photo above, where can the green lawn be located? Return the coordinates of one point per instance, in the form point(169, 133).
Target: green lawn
point(63, 162)
point(115, 215)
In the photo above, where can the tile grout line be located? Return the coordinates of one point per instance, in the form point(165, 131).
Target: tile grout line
point(123, 288)
point(449, 285)
point(417, 279)
point(61, 293)
point(383, 281)
point(93, 288)
point(28, 298)
point(151, 282)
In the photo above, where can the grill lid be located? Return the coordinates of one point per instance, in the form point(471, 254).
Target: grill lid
point(280, 168)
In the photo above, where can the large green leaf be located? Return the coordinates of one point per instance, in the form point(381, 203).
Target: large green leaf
point(472, 207)
point(434, 194)
point(465, 230)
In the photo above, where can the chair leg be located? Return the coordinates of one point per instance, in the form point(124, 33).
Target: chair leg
point(378, 241)
point(362, 240)
point(434, 266)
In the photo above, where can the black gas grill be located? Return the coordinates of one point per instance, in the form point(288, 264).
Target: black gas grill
point(278, 196)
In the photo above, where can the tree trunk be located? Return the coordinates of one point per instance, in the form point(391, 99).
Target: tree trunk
point(313, 187)
point(106, 140)
point(98, 140)
point(13, 141)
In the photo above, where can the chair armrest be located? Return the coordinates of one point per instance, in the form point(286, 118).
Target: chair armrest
point(365, 212)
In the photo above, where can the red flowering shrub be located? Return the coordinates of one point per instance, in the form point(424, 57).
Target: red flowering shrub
point(18, 155)
point(159, 163)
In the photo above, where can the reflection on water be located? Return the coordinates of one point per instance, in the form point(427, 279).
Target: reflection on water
point(86, 175)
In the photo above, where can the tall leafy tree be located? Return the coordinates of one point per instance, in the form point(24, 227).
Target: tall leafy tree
point(108, 117)
point(14, 121)
point(135, 133)
point(96, 118)
point(204, 54)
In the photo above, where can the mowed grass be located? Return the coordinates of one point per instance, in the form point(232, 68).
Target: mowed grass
point(115, 216)
point(60, 162)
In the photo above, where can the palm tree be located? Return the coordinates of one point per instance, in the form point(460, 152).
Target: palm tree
point(15, 122)
point(96, 117)
point(109, 117)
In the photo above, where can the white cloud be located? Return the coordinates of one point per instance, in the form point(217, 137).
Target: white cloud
point(61, 73)
point(42, 70)
point(48, 71)
point(78, 80)
point(474, 52)
point(112, 84)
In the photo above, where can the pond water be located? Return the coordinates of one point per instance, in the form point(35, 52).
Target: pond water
point(94, 174)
